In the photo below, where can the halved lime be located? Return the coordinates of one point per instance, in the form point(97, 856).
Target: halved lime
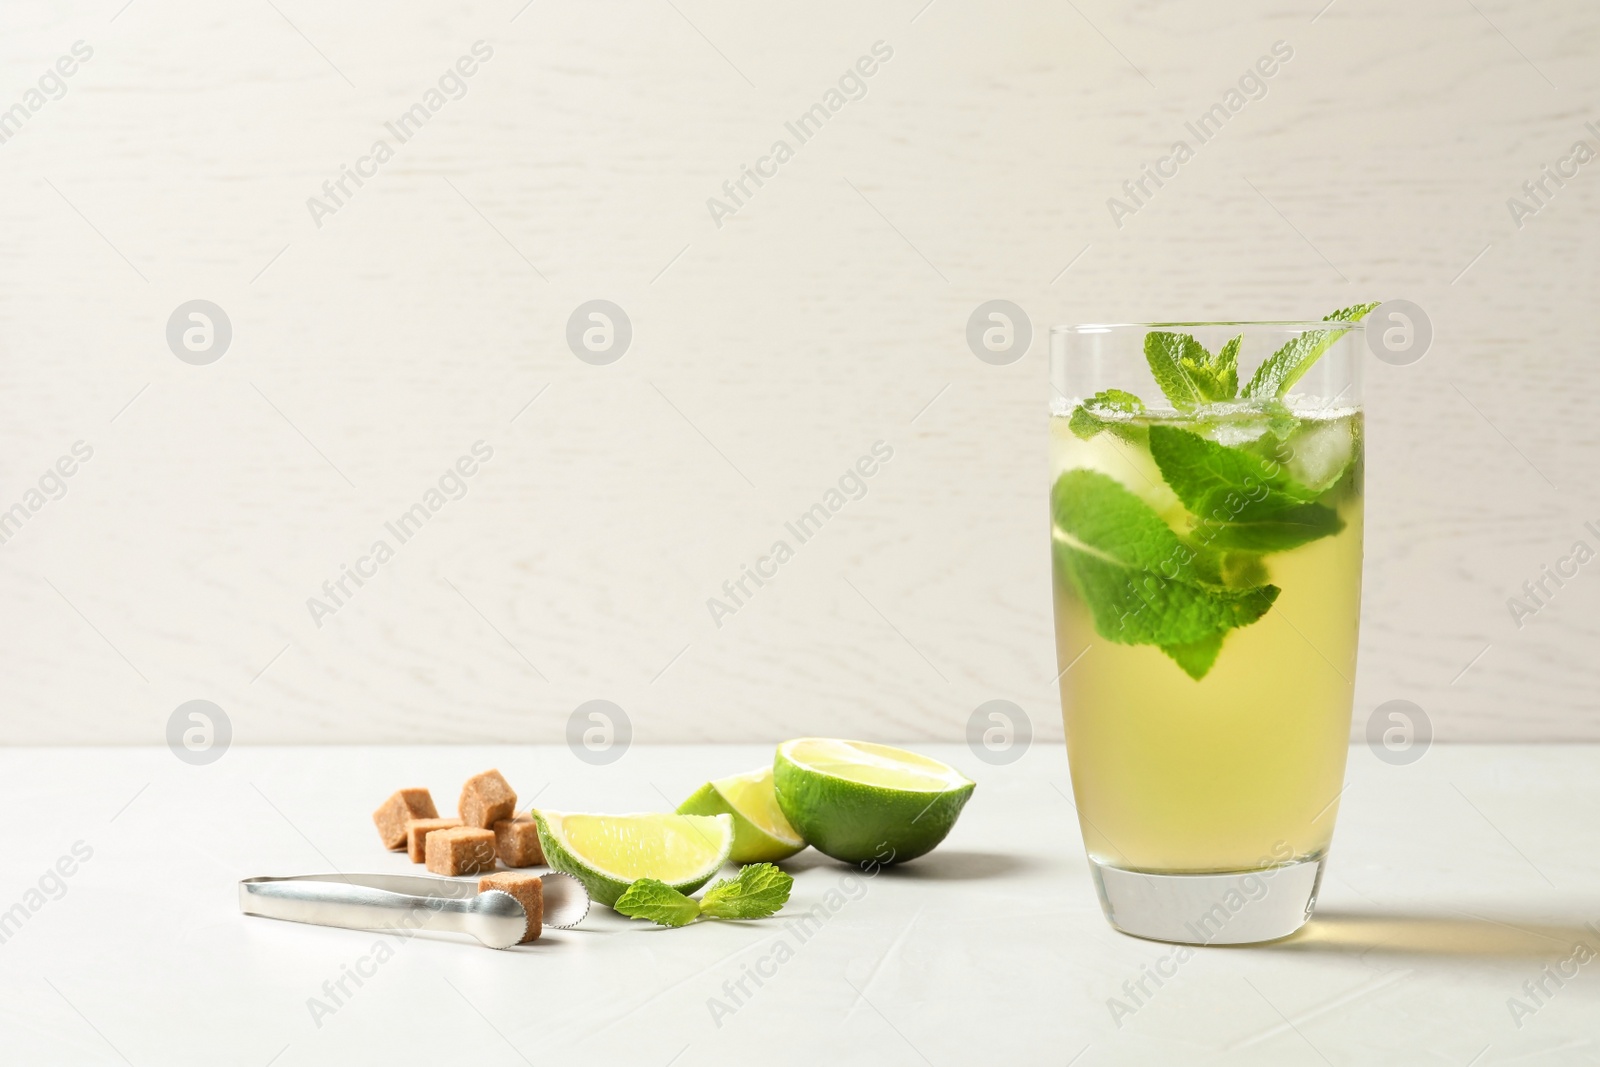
point(760, 832)
point(857, 801)
point(607, 853)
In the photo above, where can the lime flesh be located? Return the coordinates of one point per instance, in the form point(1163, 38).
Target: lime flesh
point(861, 802)
point(761, 834)
point(607, 853)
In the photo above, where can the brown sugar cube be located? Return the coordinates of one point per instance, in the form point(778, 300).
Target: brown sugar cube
point(417, 831)
point(517, 841)
point(528, 889)
point(460, 850)
point(392, 817)
point(486, 799)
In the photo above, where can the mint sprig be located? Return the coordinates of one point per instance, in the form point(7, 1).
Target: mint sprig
point(657, 901)
point(1279, 371)
point(1188, 373)
point(1100, 413)
point(759, 890)
point(1144, 585)
point(1241, 500)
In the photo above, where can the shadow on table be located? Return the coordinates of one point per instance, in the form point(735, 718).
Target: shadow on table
point(948, 865)
point(1461, 935)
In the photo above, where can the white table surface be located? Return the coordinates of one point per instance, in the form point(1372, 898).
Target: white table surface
point(1453, 882)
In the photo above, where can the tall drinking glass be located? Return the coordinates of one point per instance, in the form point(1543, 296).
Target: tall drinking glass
point(1206, 550)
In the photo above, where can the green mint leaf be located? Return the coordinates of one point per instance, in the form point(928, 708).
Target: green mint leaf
point(1203, 473)
point(1089, 417)
point(1284, 367)
point(658, 902)
point(1187, 373)
point(1242, 501)
point(759, 890)
point(1278, 419)
point(1102, 516)
point(1278, 531)
point(1117, 400)
point(1353, 313)
point(1141, 583)
point(1227, 369)
point(1242, 570)
point(1138, 607)
point(1197, 657)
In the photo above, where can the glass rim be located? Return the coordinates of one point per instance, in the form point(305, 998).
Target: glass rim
point(1281, 324)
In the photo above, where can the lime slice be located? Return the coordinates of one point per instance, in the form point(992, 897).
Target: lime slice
point(857, 801)
point(760, 832)
point(607, 853)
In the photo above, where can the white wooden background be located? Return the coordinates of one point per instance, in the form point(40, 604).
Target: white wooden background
point(768, 353)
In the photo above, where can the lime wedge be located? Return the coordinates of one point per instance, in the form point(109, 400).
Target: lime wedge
point(607, 853)
point(760, 832)
point(857, 801)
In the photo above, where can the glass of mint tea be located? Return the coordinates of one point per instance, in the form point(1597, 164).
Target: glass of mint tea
point(1205, 531)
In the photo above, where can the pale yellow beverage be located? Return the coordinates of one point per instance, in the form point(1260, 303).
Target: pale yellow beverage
point(1196, 749)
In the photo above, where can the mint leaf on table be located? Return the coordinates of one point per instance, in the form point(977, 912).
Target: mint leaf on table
point(1288, 364)
point(1142, 584)
point(759, 890)
point(1090, 416)
point(650, 899)
point(1187, 373)
point(1243, 502)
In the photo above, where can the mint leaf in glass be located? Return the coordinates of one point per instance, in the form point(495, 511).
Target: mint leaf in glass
point(1100, 413)
point(1226, 369)
point(1187, 373)
point(1242, 501)
point(658, 902)
point(1353, 313)
point(1204, 473)
point(1288, 364)
point(1100, 514)
point(1142, 584)
point(1196, 658)
point(1132, 606)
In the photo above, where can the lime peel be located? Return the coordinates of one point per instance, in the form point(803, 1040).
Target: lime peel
point(761, 833)
point(863, 802)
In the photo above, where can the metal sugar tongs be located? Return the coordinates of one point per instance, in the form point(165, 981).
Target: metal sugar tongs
point(397, 902)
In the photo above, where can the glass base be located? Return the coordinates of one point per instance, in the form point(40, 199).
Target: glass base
point(1216, 908)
